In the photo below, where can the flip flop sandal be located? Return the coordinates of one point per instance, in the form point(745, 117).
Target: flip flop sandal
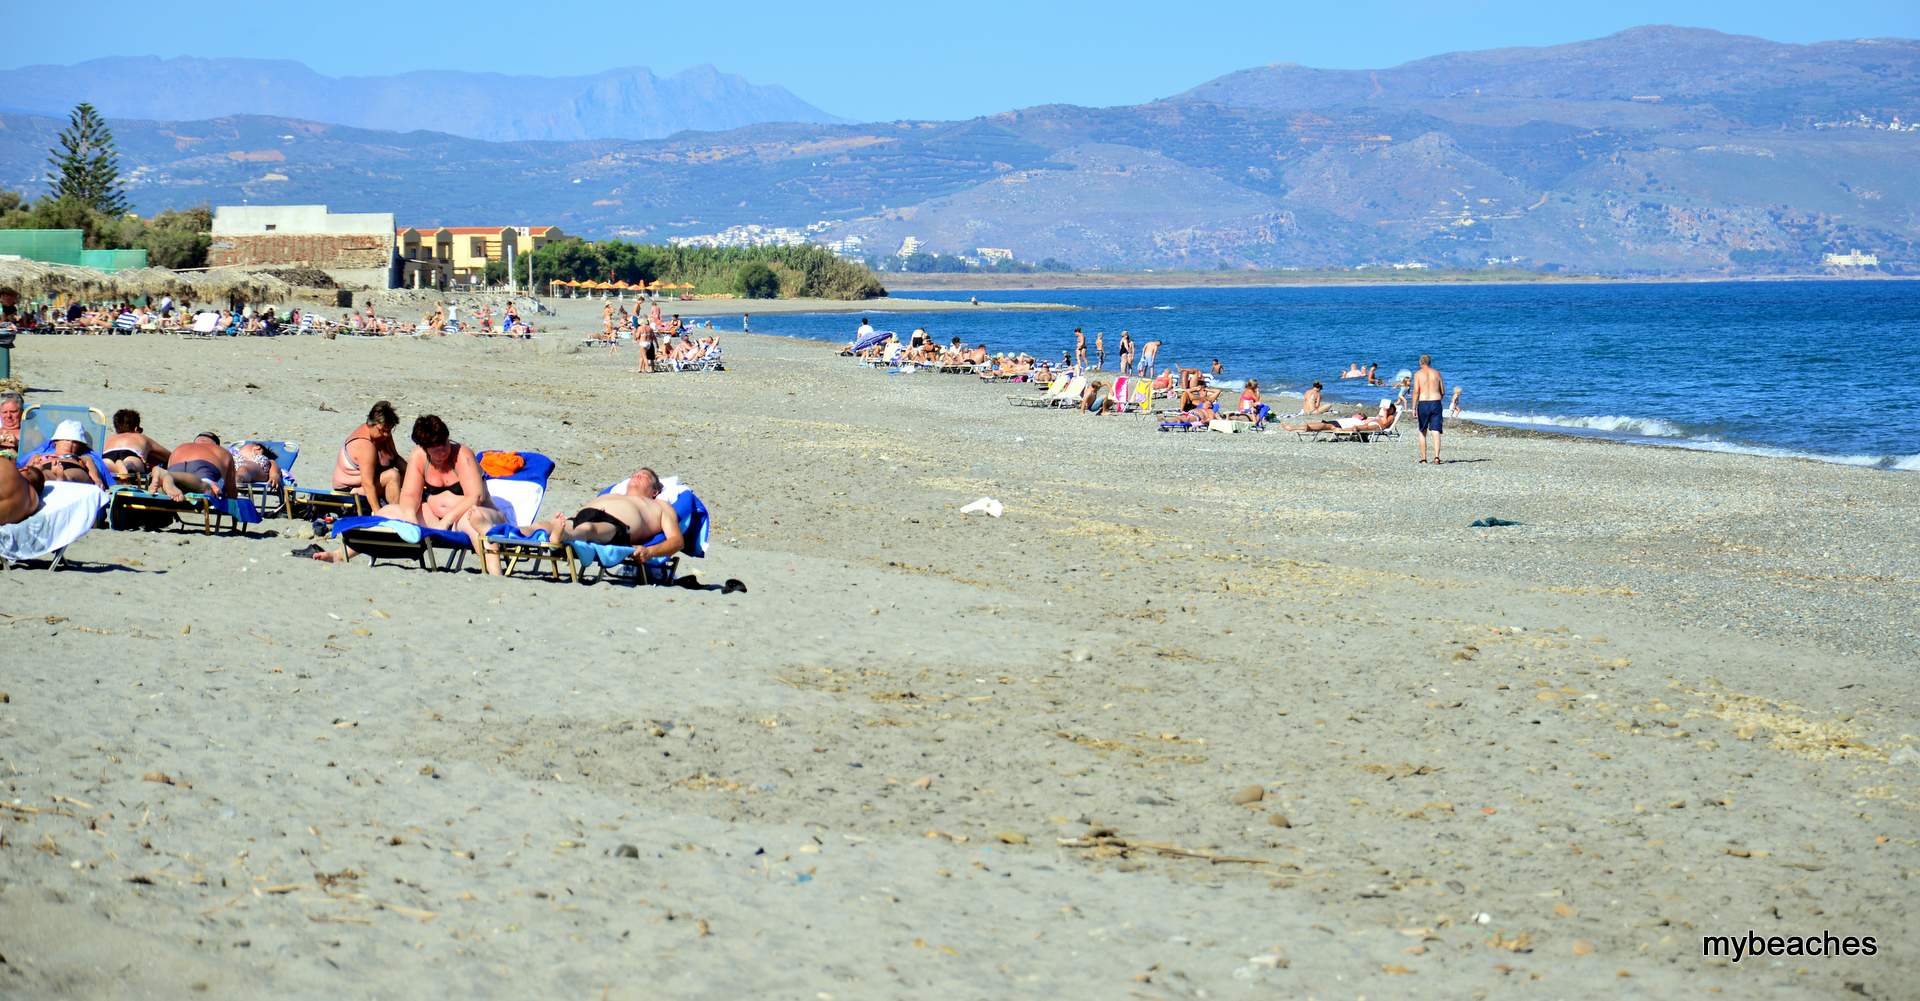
point(308, 553)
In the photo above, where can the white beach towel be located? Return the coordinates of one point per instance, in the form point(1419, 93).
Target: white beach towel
point(67, 512)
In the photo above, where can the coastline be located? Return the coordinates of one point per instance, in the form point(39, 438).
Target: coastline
point(732, 306)
point(1081, 280)
point(1278, 687)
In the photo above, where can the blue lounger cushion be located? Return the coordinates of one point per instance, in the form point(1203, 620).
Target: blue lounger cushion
point(406, 530)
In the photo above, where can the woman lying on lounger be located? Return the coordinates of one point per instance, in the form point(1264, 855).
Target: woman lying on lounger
point(129, 452)
point(442, 488)
point(70, 461)
point(1358, 422)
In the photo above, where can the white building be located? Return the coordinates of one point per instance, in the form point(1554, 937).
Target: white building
point(909, 246)
point(1856, 259)
point(994, 255)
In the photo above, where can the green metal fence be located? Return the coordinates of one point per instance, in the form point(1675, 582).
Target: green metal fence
point(54, 246)
point(113, 260)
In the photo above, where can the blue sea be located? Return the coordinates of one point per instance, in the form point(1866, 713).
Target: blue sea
point(1828, 369)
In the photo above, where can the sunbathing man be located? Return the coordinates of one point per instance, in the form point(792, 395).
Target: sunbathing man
point(629, 519)
point(19, 493)
point(68, 462)
point(1094, 399)
point(128, 451)
point(200, 466)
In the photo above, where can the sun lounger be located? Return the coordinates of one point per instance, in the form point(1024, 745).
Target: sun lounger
point(518, 496)
point(67, 512)
point(613, 562)
point(1357, 434)
point(304, 502)
point(131, 508)
point(39, 422)
point(1055, 389)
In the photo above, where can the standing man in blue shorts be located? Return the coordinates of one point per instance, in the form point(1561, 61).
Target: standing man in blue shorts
point(1429, 400)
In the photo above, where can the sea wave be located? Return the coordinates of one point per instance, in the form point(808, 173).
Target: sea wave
point(1667, 434)
point(1646, 427)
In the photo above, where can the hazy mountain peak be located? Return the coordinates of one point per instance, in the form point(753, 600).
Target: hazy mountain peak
point(629, 102)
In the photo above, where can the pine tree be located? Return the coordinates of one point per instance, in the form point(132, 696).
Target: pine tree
point(86, 167)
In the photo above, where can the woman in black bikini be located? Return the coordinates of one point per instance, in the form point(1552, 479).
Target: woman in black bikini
point(443, 488)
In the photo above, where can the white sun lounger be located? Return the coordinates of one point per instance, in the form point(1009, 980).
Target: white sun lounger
point(67, 512)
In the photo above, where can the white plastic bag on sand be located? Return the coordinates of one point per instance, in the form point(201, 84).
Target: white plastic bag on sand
point(987, 504)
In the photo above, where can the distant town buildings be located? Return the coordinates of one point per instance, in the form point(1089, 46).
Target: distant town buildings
point(1855, 259)
point(1870, 122)
point(307, 235)
point(993, 255)
point(748, 236)
point(909, 246)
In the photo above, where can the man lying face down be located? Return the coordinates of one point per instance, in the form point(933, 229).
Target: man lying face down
point(629, 519)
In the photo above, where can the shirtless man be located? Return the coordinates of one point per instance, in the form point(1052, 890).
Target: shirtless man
point(200, 466)
point(19, 493)
point(1149, 352)
point(1079, 349)
point(1100, 349)
point(628, 519)
point(1311, 403)
point(128, 451)
point(1429, 396)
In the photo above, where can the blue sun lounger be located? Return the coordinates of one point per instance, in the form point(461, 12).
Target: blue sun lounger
point(613, 562)
point(131, 508)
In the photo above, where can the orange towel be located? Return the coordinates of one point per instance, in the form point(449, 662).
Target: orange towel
point(502, 463)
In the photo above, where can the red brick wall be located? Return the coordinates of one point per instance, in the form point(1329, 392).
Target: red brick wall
point(366, 251)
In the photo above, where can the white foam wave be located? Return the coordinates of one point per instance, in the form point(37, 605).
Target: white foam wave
point(1647, 427)
point(1654, 431)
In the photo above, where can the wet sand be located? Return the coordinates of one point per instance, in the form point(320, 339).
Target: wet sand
point(1233, 714)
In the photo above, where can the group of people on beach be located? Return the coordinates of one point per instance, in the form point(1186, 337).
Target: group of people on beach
point(129, 456)
point(165, 315)
point(439, 483)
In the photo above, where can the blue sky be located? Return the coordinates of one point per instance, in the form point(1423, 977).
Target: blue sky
point(906, 59)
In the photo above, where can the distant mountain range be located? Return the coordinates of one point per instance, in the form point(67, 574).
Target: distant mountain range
point(1656, 150)
point(629, 103)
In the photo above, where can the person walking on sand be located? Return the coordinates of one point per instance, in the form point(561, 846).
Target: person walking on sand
point(1429, 397)
point(1126, 353)
point(1079, 349)
point(746, 323)
point(1100, 349)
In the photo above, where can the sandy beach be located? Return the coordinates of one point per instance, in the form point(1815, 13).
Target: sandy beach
point(1202, 715)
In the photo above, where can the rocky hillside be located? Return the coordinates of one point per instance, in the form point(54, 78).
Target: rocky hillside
point(1663, 151)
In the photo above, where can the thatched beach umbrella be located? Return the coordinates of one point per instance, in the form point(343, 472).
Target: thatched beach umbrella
point(237, 283)
point(151, 283)
point(38, 279)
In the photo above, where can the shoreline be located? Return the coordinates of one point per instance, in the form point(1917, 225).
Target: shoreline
point(1170, 280)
